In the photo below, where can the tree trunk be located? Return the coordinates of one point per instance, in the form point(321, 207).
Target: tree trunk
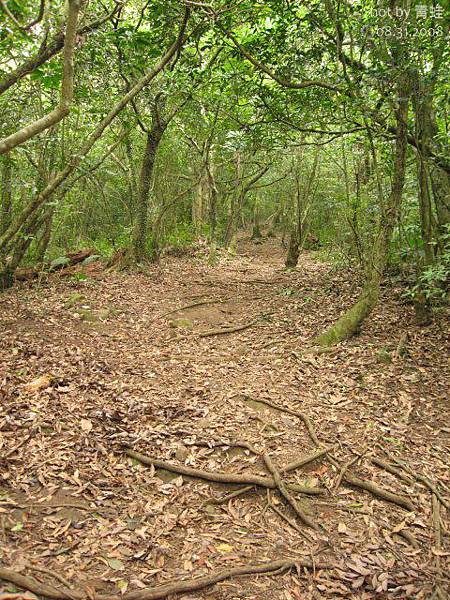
point(293, 250)
point(256, 233)
point(46, 235)
point(423, 107)
point(349, 323)
point(440, 182)
point(6, 206)
point(140, 227)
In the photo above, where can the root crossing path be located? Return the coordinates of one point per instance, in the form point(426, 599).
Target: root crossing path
point(164, 435)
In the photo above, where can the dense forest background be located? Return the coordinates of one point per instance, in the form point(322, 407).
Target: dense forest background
point(142, 127)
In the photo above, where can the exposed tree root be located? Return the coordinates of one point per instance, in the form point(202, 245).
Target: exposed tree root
point(369, 486)
point(288, 520)
point(388, 467)
point(378, 491)
point(436, 517)
point(405, 534)
point(304, 460)
point(246, 479)
point(286, 495)
point(161, 591)
point(424, 480)
point(223, 330)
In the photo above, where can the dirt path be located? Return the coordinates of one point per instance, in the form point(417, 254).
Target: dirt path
point(115, 369)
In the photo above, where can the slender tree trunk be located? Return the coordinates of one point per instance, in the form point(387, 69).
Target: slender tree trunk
point(212, 205)
point(293, 250)
point(423, 112)
point(140, 228)
point(200, 201)
point(440, 183)
point(6, 195)
point(256, 233)
point(349, 323)
point(44, 240)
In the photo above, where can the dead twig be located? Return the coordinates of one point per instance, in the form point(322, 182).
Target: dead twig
point(282, 487)
point(246, 479)
point(231, 495)
point(17, 446)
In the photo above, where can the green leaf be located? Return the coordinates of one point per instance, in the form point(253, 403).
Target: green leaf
point(116, 564)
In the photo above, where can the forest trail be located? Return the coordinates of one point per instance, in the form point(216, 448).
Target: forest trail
point(112, 362)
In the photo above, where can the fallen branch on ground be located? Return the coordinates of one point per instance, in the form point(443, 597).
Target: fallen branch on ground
point(223, 330)
point(246, 479)
point(286, 495)
point(161, 591)
point(73, 258)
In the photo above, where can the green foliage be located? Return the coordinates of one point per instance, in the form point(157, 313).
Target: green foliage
point(432, 282)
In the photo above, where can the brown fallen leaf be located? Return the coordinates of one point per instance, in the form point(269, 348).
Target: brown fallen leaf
point(342, 528)
point(41, 383)
point(86, 425)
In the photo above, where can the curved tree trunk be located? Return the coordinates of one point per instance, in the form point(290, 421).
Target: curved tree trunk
point(349, 323)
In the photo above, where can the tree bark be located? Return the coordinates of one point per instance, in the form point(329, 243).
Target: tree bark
point(6, 196)
point(140, 227)
point(293, 250)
